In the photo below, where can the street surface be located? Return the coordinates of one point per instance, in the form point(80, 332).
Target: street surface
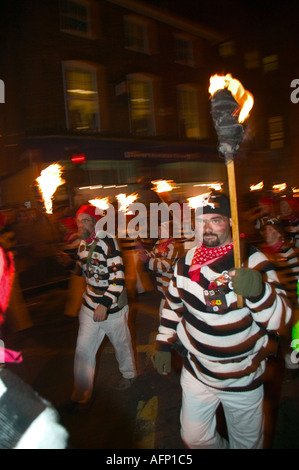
point(146, 416)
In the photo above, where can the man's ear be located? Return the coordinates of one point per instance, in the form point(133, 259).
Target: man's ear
point(230, 222)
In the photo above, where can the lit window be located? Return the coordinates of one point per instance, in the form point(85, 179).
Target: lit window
point(136, 34)
point(74, 17)
point(184, 50)
point(141, 106)
point(81, 97)
point(276, 132)
point(188, 112)
point(270, 63)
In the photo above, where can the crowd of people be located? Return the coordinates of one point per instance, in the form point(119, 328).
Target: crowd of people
point(224, 346)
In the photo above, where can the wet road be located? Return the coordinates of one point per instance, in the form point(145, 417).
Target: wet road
point(146, 416)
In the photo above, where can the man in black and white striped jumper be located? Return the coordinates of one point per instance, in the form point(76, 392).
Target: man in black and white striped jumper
point(162, 258)
point(224, 347)
point(104, 308)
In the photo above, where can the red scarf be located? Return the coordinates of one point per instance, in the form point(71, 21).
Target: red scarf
point(272, 249)
point(163, 246)
point(204, 256)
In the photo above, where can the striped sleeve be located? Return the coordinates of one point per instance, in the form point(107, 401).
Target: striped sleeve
point(171, 317)
point(115, 268)
point(271, 309)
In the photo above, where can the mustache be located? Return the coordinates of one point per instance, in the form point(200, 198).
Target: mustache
point(210, 234)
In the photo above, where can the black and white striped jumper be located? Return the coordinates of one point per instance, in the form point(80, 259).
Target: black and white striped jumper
point(223, 346)
point(286, 262)
point(162, 260)
point(104, 273)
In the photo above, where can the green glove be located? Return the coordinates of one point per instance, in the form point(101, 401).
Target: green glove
point(162, 362)
point(247, 282)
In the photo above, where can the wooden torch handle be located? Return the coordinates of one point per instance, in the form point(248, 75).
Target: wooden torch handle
point(235, 220)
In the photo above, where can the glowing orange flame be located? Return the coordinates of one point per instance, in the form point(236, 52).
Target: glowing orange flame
point(100, 203)
point(257, 187)
point(125, 201)
point(279, 187)
point(163, 186)
point(198, 201)
point(48, 182)
point(215, 186)
point(243, 97)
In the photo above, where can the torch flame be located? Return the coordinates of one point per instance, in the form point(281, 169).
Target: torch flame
point(198, 201)
point(243, 97)
point(48, 182)
point(125, 201)
point(279, 187)
point(100, 203)
point(257, 187)
point(163, 186)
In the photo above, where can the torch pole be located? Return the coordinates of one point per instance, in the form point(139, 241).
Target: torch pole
point(234, 215)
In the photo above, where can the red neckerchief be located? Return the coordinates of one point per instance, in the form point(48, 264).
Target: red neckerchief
point(162, 246)
point(274, 248)
point(90, 239)
point(204, 256)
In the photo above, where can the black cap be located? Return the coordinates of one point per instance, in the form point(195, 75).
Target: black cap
point(216, 204)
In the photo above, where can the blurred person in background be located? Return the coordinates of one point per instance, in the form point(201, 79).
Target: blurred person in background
point(162, 258)
point(18, 322)
point(66, 255)
point(289, 215)
point(27, 421)
point(281, 250)
point(224, 347)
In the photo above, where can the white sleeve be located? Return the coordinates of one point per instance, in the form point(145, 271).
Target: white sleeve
point(44, 433)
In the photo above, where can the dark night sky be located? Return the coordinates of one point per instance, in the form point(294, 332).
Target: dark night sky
point(268, 16)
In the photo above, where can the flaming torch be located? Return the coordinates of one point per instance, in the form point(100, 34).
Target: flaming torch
point(230, 106)
point(48, 182)
point(101, 204)
point(125, 201)
point(163, 188)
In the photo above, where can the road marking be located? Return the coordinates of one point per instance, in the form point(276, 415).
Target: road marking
point(144, 434)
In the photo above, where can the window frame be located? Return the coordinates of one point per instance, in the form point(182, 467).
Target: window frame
point(144, 25)
point(93, 70)
point(183, 38)
point(137, 77)
point(188, 88)
point(84, 3)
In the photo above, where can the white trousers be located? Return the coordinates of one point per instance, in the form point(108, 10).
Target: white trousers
point(90, 337)
point(243, 413)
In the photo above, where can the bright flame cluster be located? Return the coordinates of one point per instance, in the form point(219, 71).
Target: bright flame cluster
point(100, 203)
point(198, 201)
point(257, 187)
point(243, 97)
point(125, 201)
point(163, 186)
point(48, 182)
